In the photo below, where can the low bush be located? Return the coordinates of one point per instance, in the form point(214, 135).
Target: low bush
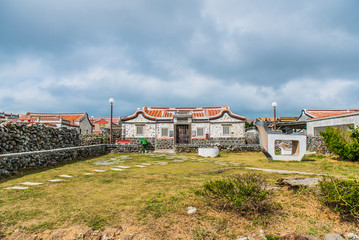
point(343, 143)
point(245, 192)
point(340, 195)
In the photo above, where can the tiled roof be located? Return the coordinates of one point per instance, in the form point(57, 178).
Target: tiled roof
point(316, 114)
point(101, 121)
point(107, 119)
point(195, 112)
point(72, 117)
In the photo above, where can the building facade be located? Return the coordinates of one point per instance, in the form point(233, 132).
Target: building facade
point(318, 120)
point(78, 121)
point(166, 127)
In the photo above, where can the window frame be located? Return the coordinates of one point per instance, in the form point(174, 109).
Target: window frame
point(137, 132)
point(163, 135)
point(229, 130)
point(202, 129)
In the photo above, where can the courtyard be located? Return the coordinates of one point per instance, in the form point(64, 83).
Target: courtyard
point(147, 196)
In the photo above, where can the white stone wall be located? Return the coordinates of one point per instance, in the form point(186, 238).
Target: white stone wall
point(169, 126)
point(343, 120)
point(236, 127)
point(205, 127)
point(148, 130)
point(139, 119)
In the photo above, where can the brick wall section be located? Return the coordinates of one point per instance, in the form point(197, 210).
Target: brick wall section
point(17, 162)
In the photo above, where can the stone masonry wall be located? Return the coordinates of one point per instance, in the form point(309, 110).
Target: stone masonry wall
point(224, 148)
point(317, 144)
point(150, 143)
point(233, 141)
point(164, 143)
point(15, 162)
point(25, 137)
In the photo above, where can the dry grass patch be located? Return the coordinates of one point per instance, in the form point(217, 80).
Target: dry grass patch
point(153, 200)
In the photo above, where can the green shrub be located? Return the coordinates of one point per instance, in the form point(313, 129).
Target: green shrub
point(247, 192)
point(340, 195)
point(343, 143)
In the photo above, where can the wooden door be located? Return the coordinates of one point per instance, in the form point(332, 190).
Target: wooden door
point(182, 134)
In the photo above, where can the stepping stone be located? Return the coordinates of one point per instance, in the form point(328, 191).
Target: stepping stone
point(66, 176)
point(18, 188)
point(123, 167)
point(88, 173)
point(97, 170)
point(145, 164)
point(177, 161)
point(139, 166)
point(234, 163)
point(31, 183)
point(117, 169)
point(162, 163)
point(55, 180)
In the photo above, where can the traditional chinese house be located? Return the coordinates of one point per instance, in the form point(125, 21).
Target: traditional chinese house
point(166, 127)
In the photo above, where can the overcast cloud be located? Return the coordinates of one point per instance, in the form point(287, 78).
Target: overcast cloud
point(73, 55)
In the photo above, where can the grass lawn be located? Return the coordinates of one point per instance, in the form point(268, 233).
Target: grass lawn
point(152, 201)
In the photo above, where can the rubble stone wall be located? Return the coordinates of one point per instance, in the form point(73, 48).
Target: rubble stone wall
point(316, 144)
point(224, 148)
point(13, 163)
point(25, 137)
point(164, 143)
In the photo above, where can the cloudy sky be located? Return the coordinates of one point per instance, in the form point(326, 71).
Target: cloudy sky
point(73, 55)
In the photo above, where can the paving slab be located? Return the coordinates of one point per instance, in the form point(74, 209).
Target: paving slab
point(139, 166)
point(88, 173)
point(31, 183)
point(177, 161)
point(98, 170)
point(17, 188)
point(281, 171)
point(161, 163)
point(145, 164)
point(117, 169)
point(55, 180)
point(124, 167)
point(65, 176)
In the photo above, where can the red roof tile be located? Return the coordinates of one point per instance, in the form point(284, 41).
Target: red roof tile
point(196, 112)
point(316, 114)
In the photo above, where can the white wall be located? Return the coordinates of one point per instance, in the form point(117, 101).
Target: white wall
point(205, 127)
point(236, 127)
point(164, 125)
point(342, 120)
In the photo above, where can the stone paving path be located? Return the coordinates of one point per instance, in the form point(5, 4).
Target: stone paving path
point(282, 171)
point(170, 159)
point(31, 183)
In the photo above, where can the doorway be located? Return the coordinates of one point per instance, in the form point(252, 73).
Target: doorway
point(182, 134)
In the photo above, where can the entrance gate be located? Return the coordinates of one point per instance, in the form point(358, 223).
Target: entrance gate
point(182, 134)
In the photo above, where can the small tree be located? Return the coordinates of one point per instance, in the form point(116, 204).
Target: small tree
point(343, 143)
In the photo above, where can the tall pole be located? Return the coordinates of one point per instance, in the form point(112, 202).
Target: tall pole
point(274, 105)
point(111, 124)
point(111, 100)
point(275, 126)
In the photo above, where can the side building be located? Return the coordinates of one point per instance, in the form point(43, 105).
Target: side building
point(166, 127)
point(78, 121)
point(317, 120)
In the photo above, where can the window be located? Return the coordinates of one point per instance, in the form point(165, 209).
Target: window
point(139, 130)
point(200, 132)
point(164, 132)
point(225, 130)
